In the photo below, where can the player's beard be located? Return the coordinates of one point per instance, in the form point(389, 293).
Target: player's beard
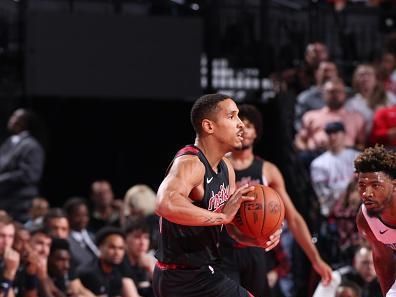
point(377, 212)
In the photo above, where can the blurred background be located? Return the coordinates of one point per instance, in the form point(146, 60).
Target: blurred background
point(113, 80)
point(112, 83)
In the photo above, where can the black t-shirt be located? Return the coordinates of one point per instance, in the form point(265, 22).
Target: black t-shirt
point(139, 276)
point(61, 282)
point(196, 245)
point(99, 282)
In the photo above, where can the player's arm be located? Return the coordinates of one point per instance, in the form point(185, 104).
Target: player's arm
point(383, 258)
point(173, 202)
point(296, 223)
point(234, 232)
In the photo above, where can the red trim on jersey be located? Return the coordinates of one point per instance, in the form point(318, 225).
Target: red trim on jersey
point(169, 266)
point(187, 150)
point(250, 294)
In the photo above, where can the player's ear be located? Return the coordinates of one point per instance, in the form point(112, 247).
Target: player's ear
point(207, 126)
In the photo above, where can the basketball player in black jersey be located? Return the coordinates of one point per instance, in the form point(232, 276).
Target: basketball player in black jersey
point(376, 220)
point(194, 200)
point(246, 264)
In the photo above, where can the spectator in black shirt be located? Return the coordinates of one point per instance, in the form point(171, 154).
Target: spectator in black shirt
point(138, 259)
point(105, 275)
point(64, 281)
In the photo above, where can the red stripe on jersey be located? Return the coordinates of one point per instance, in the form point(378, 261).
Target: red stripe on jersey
point(188, 150)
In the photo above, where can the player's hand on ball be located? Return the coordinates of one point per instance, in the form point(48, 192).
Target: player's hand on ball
point(234, 202)
point(273, 240)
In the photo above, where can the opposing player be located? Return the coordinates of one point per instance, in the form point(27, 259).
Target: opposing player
point(376, 220)
point(194, 200)
point(247, 264)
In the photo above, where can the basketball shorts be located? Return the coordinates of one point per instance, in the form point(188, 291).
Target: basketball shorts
point(205, 281)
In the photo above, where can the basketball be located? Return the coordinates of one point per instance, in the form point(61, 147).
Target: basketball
point(263, 216)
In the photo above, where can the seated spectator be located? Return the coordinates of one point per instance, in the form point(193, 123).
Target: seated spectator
point(140, 262)
point(343, 216)
point(332, 171)
point(106, 209)
point(105, 276)
point(387, 64)
point(82, 246)
point(21, 239)
point(9, 258)
point(55, 221)
point(348, 289)
point(363, 273)
point(384, 127)
point(312, 98)
point(36, 213)
point(300, 78)
point(140, 203)
point(312, 139)
point(370, 94)
point(63, 280)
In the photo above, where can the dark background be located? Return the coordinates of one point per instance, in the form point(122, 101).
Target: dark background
point(114, 80)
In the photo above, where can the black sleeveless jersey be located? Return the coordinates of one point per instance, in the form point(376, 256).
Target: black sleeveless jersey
point(196, 245)
point(253, 175)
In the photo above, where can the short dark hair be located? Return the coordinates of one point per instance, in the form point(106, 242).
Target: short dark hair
point(72, 203)
point(107, 231)
point(140, 225)
point(5, 218)
point(252, 114)
point(375, 159)
point(352, 285)
point(203, 108)
point(41, 230)
point(59, 244)
point(54, 213)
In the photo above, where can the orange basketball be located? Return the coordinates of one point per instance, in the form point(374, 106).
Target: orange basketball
point(263, 216)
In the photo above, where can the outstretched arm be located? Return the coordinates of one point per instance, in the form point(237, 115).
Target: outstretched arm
point(296, 223)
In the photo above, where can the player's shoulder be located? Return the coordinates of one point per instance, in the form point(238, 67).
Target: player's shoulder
point(270, 168)
point(227, 160)
point(188, 162)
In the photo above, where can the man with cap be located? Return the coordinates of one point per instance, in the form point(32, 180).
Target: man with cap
point(332, 171)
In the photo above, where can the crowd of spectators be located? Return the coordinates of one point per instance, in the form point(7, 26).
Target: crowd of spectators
point(103, 246)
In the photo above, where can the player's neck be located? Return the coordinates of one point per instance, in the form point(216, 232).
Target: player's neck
point(213, 152)
point(241, 159)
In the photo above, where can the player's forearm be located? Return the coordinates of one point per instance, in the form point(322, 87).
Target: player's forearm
point(183, 212)
point(300, 231)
